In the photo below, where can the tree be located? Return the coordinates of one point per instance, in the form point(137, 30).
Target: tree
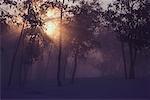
point(83, 25)
point(129, 19)
point(32, 39)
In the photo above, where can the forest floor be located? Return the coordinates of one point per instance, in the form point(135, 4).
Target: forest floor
point(82, 89)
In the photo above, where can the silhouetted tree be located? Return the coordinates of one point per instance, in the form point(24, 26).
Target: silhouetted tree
point(32, 36)
point(85, 21)
point(32, 39)
point(130, 19)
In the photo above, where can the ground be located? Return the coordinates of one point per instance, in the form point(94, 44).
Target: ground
point(81, 89)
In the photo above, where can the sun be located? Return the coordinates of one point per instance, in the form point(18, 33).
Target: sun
point(51, 28)
point(52, 23)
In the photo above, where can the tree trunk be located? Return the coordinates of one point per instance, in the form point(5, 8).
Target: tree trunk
point(132, 61)
point(22, 60)
point(59, 66)
point(75, 68)
point(14, 56)
point(59, 54)
point(124, 60)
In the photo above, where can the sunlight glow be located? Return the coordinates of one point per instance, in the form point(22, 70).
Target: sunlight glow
point(51, 13)
point(51, 28)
